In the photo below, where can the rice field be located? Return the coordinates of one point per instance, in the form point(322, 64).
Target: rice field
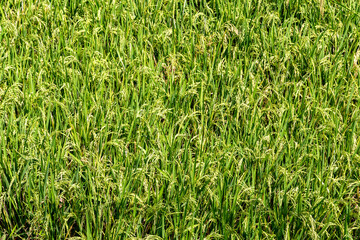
point(169, 119)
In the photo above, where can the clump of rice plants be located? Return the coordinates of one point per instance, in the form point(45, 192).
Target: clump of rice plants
point(168, 119)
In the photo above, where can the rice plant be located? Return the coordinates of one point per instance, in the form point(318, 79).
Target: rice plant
point(169, 119)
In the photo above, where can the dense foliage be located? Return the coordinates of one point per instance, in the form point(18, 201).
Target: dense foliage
point(193, 119)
